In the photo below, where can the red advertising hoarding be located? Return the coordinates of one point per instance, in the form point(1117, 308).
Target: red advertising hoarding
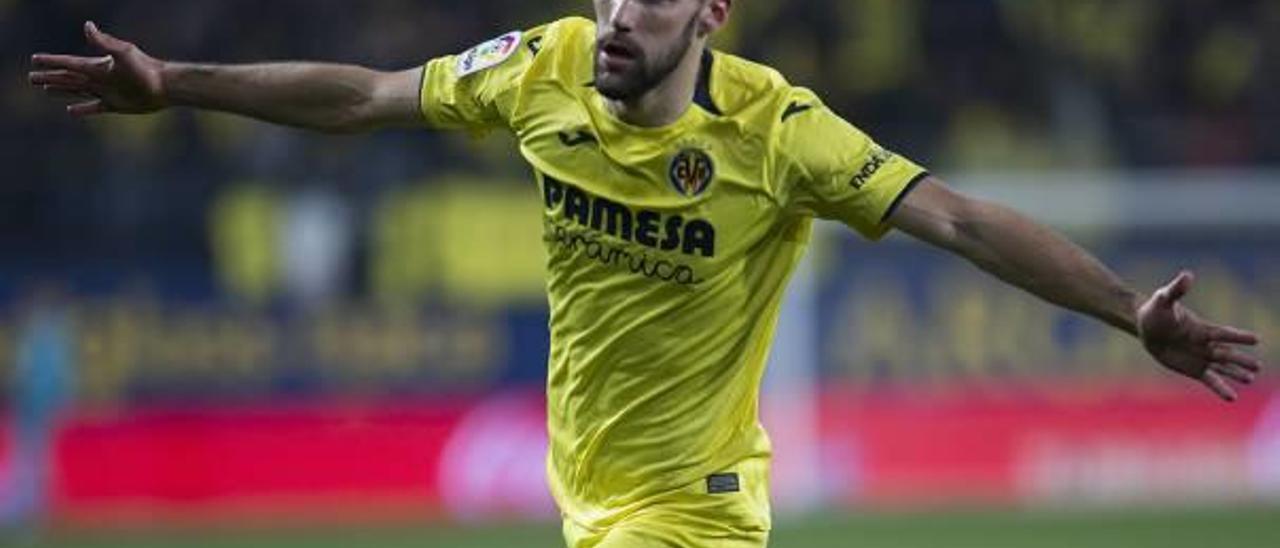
point(473, 458)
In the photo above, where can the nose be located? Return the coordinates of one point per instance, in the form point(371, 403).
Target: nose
point(623, 17)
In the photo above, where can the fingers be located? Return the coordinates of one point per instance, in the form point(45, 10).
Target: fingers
point(57, 61)
point(71, 92)
point(1226, 354)
point(1233, 372)
point(89, 66)
point(1176, 289)
point(1218, 386)
point(87, 108)
point(57, 78)
point(104, 41)
point(1241, 368)
point(1232, 335)
point(92, 66)
point(64, 83)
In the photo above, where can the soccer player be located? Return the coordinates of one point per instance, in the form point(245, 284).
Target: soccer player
point(679, 186)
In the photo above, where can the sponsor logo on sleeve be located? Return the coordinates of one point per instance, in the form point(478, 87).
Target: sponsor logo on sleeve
point(879, 158)
point(489, 54)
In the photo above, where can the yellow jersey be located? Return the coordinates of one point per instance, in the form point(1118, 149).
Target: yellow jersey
point(668, 250)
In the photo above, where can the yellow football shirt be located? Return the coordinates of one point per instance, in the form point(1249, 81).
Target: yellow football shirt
point(668, 250)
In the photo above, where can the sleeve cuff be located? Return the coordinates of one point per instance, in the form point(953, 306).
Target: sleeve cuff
point(882, 228)
point(911, 185)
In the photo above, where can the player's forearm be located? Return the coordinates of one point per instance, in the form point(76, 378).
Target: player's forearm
point(319, 96)
point(1031, 256)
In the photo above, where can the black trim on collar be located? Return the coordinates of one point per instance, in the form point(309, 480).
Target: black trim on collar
point(702, 93)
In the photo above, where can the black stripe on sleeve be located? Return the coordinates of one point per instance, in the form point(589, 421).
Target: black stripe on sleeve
point(902, 195)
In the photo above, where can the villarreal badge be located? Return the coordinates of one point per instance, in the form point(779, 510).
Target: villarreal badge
point(691, 171)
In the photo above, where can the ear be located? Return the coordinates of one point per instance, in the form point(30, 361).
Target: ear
point(714, 15)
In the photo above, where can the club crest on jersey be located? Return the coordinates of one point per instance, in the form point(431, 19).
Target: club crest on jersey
point(691, 171)
point(489, 54)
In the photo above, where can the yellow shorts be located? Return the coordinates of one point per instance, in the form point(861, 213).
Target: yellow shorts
point(707, 513)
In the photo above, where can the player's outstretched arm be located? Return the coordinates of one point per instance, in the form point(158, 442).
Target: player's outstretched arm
point(1035, 258)
point(320, 96)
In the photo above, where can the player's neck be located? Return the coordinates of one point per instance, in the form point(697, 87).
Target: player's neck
point(666, 102)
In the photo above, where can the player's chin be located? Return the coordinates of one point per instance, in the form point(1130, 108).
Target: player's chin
point(616, 86)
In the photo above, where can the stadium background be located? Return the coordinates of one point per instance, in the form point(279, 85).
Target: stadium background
point(215, 332)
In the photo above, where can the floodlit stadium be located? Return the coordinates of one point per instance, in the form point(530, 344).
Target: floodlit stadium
point(499, 273)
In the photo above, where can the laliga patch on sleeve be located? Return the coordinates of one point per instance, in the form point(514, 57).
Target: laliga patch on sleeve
point(489, 54)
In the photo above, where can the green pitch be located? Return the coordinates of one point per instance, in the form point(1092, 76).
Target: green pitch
point(1244, 527)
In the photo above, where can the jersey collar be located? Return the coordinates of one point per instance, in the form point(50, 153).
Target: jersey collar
point(702, 93)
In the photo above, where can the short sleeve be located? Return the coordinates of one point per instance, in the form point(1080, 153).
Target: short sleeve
point(476, 89)
point(831, 170)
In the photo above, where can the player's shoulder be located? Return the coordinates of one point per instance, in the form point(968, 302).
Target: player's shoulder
point(557, 50)
point(572, 25)
point(565, 33)
point(739, 84)
point(757, 95)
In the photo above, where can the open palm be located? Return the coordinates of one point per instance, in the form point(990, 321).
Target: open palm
point(1190, 346)
point(124, 80)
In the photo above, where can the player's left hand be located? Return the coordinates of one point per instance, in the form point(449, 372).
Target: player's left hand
point(1190, 346)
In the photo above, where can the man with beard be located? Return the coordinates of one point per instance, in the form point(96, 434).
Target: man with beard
point(679, 188)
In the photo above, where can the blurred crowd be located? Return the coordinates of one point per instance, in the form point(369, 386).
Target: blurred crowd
point(956, 84)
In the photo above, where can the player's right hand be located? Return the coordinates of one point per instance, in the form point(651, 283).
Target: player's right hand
point(125, 80)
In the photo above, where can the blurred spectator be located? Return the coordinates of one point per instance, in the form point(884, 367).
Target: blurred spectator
point(243, 224)
point(42, 389)
point(957, 85)
point(315, 245)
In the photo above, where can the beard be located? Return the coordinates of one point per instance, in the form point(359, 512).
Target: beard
point(641, 75)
